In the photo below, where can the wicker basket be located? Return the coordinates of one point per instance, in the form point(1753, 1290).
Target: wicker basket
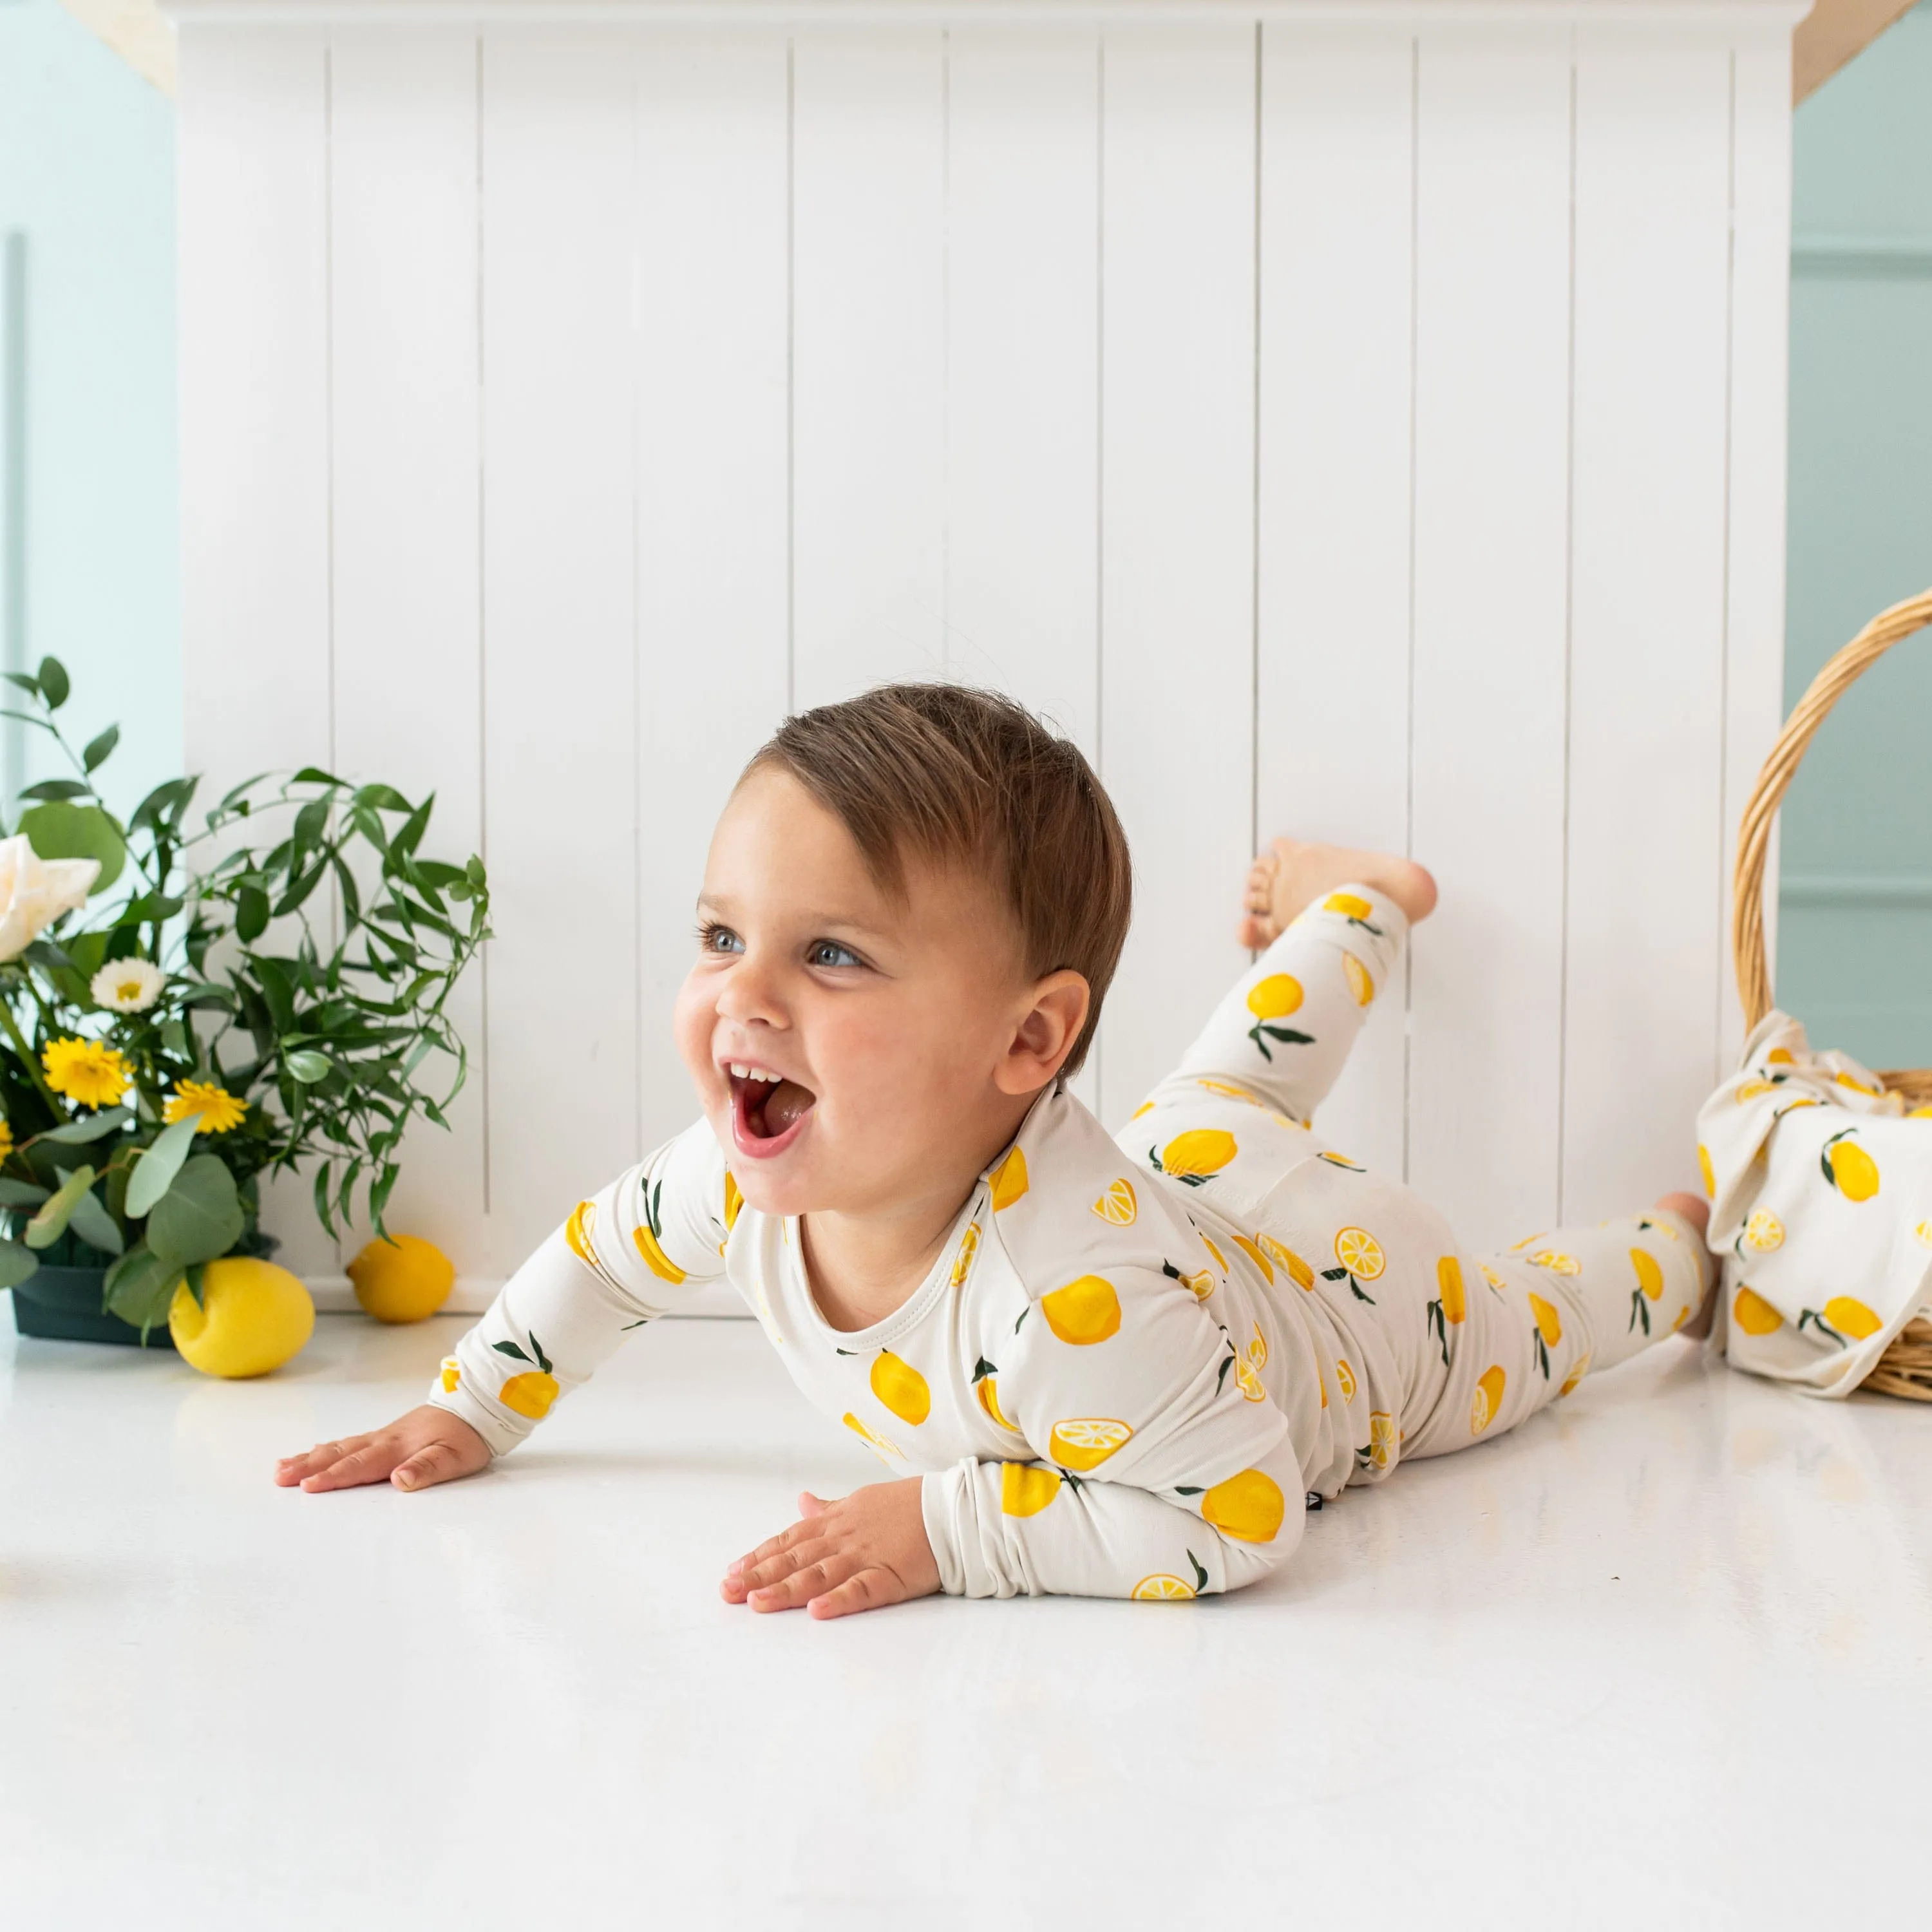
point(1905, 1369)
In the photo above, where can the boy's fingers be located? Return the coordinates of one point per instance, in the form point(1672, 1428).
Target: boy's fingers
point(293, 1468)
point(810, 1505)
point(870, 1590)
point(369, 1464)
point(438, 1463)
point(808, 1581)
point(776, 1569)
point(786, 1540)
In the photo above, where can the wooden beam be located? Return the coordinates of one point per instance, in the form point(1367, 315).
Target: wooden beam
point(1833, 33)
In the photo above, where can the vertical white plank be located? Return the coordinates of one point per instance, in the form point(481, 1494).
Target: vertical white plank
point(868, 382)
point(1647, 607)
point(711, 509)
point(1491, 470)
point(1177, 521)
point(560, 733)
point(252, 157)
point(1337, 212)
point(1760, 299)
point(408, 663)
point(1022, 374)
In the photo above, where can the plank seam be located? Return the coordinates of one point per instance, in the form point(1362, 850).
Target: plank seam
point(1724, 651)
point(482, 620)
point(1414, 351)
point(1569, 673)
point(1255, 505)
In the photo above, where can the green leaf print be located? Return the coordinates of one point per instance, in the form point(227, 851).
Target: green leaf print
point(981, 1368)
point(509, 1348)
point(1638, 1307)
point(1809, 1318)
point(1284, 1036)
point(1200, 1575)
point(1438, 1327)
point(1355, 1287)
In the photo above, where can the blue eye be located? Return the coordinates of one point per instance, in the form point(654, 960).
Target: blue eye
point(830, 953)
point(719, 939)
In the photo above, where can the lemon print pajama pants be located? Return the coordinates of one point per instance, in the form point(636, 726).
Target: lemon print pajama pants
point(1433, 1347)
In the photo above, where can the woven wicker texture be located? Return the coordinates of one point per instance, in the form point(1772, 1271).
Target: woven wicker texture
point(1905, 1369)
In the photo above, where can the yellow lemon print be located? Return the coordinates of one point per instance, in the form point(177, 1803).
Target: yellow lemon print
point(1220, 1259)
point(1192, 1157)
point(901, 1388)
point(1299, 1272)
point(1449, 1286)
point(1704, 1169)
point(1649, 1286)
point(1229, 1091)
point(1575, 1375)
point(1083, 1442)
point(734, 1201)
point(1488, 1401)
point(1250, 1507)
point(576, 1232)
point(1360, 981)
point(1763, 1231)
point(1361, 1258)
point(1381, 1439)
point(1780, 1056)
point(1848, 1168)
point(1118, 1207)
point(1920, 1114)
point(1024, 1490)
point(452, 1373)
point(1557, 1263)
point(1490, 1276)
point(1751, 1089)
point(879, 1445)
point(1271, 1000)
point(1255, 1254)
point(1548, 1330)
point(986, 1384)
point(1351, 906)
point(1923, 1233)
point(1753, 1314)
point(1202, 1286)
point(1162, 1588)
point(1345, 1377)
point(1257, 1349)
point(529, 1394)
point(1145, 1107)
point(1856, 1086)
point(1843, 1319)
point(1248, 1382)
point(969, 1246)
point(1009, 1180)
point(1335, 1159)
point(1084, 1311)
point(659, 1263)
point(1289, 1120)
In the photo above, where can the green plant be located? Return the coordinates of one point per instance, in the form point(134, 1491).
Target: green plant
point(186, 1007)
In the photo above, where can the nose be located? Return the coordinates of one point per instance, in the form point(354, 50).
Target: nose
point(751, 994)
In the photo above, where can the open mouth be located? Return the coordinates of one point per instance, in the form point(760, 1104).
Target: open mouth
point(767, 1109)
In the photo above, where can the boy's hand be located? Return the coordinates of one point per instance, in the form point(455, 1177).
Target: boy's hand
point(862, 1552)
point(427, 1445)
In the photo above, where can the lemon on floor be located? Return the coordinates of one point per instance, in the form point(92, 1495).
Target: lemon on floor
point(402, 1279)
point(252, 1317)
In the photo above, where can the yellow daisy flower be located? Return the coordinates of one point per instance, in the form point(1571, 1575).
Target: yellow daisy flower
point(214, 1109)
point(6, 1140)
point(88, 1071)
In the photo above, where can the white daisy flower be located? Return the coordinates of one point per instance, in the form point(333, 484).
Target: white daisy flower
point(127, 986)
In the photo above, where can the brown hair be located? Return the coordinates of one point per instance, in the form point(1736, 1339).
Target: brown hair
point(968, 777)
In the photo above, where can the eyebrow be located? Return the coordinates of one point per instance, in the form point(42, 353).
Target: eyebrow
point(721, 904)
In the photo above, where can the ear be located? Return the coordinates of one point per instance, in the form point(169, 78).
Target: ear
point(1056, 1011)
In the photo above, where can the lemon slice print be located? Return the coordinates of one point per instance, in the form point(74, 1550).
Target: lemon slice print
point(1118, 1207)
point(1163, 1587)
point(1255, 1254)
point(1220, 1259)
point(1229, 1091)
point(1360, 981)
point(1361, 1259)
point(1345, 1377)
point(1487, 1402)
point(1085, 1441)
point(1248, 1382)
point(1381, 1451)
point(962, 1262)
point(1575, 1375)
point(1257, 1349)
point(1299, 1272)
point(734, 1202)
point(880, 1447)
point(576, 1232)
point(452, 1373)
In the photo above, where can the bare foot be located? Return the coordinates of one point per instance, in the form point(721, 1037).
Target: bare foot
point(1290, 875)
point(1697, 1211)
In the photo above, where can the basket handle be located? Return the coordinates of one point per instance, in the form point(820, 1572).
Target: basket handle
point(1844, 669)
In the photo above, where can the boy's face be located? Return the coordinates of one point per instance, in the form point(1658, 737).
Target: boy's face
point(888, 1023)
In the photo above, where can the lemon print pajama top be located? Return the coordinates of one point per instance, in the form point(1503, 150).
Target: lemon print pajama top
point(1137, 1360)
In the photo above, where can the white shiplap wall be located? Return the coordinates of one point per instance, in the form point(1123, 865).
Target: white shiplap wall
point(1367, 428)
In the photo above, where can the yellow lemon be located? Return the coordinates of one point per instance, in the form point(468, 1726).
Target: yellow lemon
point(878, 1444)
point(1488, 1399)
point(659, 1263)
point(1548, 1324)
point(1381, 1438)
point(1255, 1254)
point(734, 1202)
point(1145, 1107)
point(989, 1400)
point(1780, 1056)
point(901, 1388)
point(1009, 1180)
point(1161, 1589)
point(1275, 997)
point(1751, 1089)
point(1250, 1507)
point(1360, 982)
point(1856, 1086)
point(969, 1246)
point(1345, 1376)
point(1299, 1272)
point(1085, 1311)
point(1704, 1169)
point(1257, 1349)
point(1085, 1441)
point(1557, 1263)
point(1249, 1383)
point(1449, 1287)
point(1764, 1230)
point(1854, 1170)
point(1575, 1375)
point(1229, 1091)
point(1649, 1272)
point(1220, 1259)
point(252, 1317)
point(452, 1374)
point(1350, 905)
point(1753, 1314)
point(404, 1278)
point(1360, 1253)
point(1197, 1153)
point(578, 1229)
point(1338, 1160)
point(1490, 1276)
point(1024, 1490)
point(1118, 1207)
point(1850, 1318)
point(530, 1394)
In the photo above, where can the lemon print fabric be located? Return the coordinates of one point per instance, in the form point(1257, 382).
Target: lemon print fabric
point(962, 1262)
point(1579, 1369)
point(451, 1375)
point(1361, 982)
point(1164, 1587)
point(1753, 1314)
point(1084, 1312)
point(1548, 1329)
point(1843, 1320)
point(1358, 1258)
point(1352, 907)
point(901, 1388)
point(650, 1237)
point(1025, 1490)
point(1117, 1206)
point(531, 1393)
point(986, 1392)
point(1271, 1000)
point(1451, 1306)
point(1192, 1158)
point(1250, 1507)
point(1009, 1180)
point(887, 1450)
point(1486, 1404)
point(1848, 1168)
point(1085, 1442)
point(1649, 1286)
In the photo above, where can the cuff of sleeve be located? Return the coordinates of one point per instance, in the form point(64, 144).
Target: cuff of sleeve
point(966, 1551)
point(498, 1437)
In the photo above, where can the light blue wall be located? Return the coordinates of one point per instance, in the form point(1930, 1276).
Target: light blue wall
point(87, 201)
point(1856, 922)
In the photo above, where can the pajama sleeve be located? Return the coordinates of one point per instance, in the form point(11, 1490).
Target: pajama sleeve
point(646, 1244)
point(1158, 1466)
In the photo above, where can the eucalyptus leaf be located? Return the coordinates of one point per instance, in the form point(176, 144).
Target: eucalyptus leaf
point(155, 1172)
point(78, 1133)
point(62, 830)
point(53, 788)
point(199, 1216)
point(91, 1222)
point(307, 1066)
point(50, 1223)
point(100, 749)
point(21, 1193)
point(140, 1285)
point(54, 685)
point(16, 1264)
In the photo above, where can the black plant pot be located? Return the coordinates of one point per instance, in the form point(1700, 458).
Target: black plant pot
point(63, 1304)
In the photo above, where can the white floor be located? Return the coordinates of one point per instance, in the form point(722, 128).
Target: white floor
point(1667, 1653)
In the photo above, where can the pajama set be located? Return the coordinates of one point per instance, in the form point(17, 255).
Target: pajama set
point(1135, 1362)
